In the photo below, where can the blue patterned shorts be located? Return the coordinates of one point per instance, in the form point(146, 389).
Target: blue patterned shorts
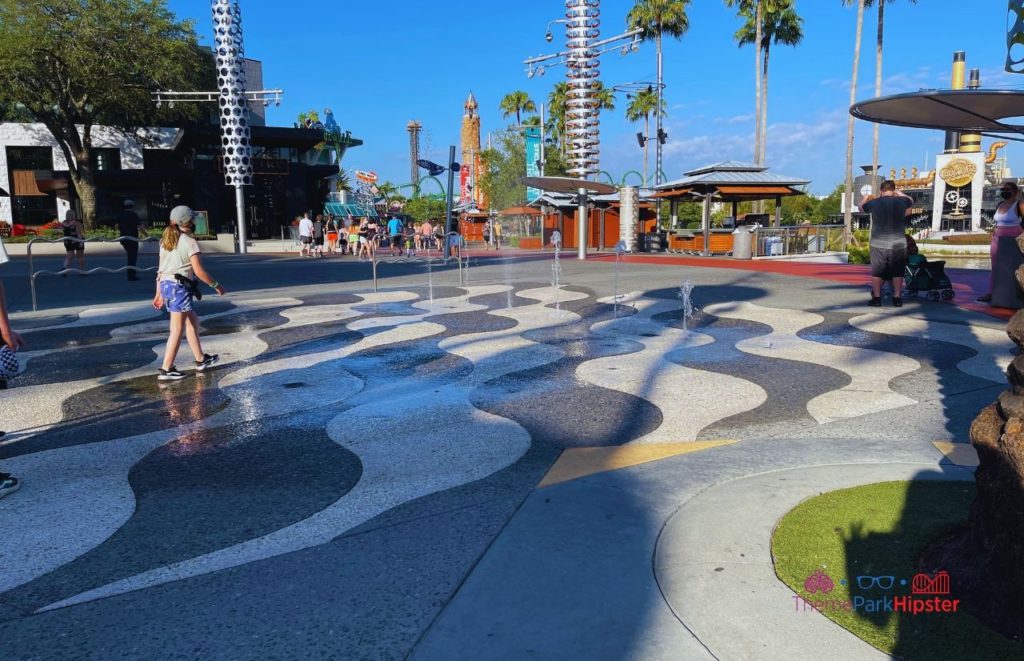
point(177, 297)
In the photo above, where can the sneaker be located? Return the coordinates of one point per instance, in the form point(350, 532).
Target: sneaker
point(897, 302)
point(875, 302)
point(170, 375)
point(207, 361)
point(8, 484)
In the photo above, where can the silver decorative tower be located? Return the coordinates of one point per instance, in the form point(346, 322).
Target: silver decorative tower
point(234, 109)
point(582, 27)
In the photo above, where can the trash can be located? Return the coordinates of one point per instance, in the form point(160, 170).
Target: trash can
point(742, 238)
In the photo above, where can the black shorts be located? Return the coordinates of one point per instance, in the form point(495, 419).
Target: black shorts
point(74, 246)
point(318, 240)
point(888, 263)
point(308, 240)
point(397, 241)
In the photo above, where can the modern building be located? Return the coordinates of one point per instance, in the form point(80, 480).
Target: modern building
point(170, 166)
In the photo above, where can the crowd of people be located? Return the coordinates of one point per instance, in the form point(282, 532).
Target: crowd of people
point(363, 237)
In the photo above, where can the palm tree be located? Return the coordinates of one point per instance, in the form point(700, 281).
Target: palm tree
point(642, 105)
point(657, 18)
point(848, 215)
point(878, 80)
point(516, 103)
point(755, 8)
point(557, 100)
point(780, 25)
point(533, 121)
point(605, 96)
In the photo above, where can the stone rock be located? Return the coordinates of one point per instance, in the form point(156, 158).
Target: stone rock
point(996, 532)
point(1015, 329)
point(1011, 405)
point(1015, 372)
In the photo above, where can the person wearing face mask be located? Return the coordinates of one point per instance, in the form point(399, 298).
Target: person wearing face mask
point(1008, 219)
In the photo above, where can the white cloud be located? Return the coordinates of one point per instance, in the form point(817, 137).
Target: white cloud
point(736, 119)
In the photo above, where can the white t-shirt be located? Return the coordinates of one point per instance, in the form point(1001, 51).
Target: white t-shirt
point(3, 253)
point(178, 261)
point(305, 227)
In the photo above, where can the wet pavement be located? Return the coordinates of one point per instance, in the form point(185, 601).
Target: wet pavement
point(359, 477)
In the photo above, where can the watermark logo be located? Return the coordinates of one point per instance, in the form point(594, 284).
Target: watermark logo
point(888, 594)
point(925, 584)
point(818, 582)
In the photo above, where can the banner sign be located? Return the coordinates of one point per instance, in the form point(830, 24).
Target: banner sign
point(367, 177)
point(532, 160)
point(465, 177)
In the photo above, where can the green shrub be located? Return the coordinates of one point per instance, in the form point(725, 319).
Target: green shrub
point(859, 255)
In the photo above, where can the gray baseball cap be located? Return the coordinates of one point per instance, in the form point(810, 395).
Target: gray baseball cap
point(182, 214)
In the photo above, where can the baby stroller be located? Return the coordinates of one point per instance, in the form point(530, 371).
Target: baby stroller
point(922, 275)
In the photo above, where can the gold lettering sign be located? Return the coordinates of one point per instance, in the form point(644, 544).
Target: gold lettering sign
point(958, 172)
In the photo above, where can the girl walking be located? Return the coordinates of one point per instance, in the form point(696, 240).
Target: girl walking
point(73, 229)
point(177, 282)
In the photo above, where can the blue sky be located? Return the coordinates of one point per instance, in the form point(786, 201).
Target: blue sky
point(378, 65)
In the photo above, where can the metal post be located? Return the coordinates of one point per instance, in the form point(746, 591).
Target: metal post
point(706, 220)
point(448, 204)
point(243, 246)
point(581, 251)
point(542, 138)
point(373, 263)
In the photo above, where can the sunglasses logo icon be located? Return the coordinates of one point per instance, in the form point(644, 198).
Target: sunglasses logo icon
point(881, 582)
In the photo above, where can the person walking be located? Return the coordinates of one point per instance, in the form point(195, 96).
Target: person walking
point(177, 283)
point(427, 236)
point(331, 229)
point(306, 235)
point(888, 244)
point(73, 229)
point(128, 225)
point(1009, 221)
point(318, 235)
point(395, 232)
point(8, 338)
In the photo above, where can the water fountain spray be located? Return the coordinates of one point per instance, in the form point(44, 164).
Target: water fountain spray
point(556, 272)
point(686, 303)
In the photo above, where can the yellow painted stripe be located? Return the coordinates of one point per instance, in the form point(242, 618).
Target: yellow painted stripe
point(960, 454)
point(581, 462)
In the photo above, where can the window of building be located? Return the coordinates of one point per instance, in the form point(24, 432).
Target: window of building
point(29, 158)
point(107, 159)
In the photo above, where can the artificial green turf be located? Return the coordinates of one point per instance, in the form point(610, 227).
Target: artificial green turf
point(881, 530)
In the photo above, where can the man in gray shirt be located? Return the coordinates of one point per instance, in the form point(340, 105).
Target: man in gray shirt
point(888, 240)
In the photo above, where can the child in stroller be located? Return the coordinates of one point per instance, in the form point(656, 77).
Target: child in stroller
point(922, 275)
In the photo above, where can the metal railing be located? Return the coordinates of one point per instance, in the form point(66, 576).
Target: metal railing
point(462, 260)
point(33, 274)
point(799, 240)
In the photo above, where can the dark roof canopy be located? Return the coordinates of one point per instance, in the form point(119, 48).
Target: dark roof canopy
point(946, 110)
point(732, 180)
point(567, 185)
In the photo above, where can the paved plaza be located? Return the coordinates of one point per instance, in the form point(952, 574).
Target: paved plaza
point(485, 469)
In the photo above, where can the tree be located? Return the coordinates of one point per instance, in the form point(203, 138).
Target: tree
point(516, 103)
point(644, 103)
point(780, 24)
point(343, 184)
point(426, 207)
point(533, 121)
point(878, 79)
point(848, 215)
point(605, 96)
point(76, 64)
point(658, 18)
point(505, 168)
point(557, 103)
